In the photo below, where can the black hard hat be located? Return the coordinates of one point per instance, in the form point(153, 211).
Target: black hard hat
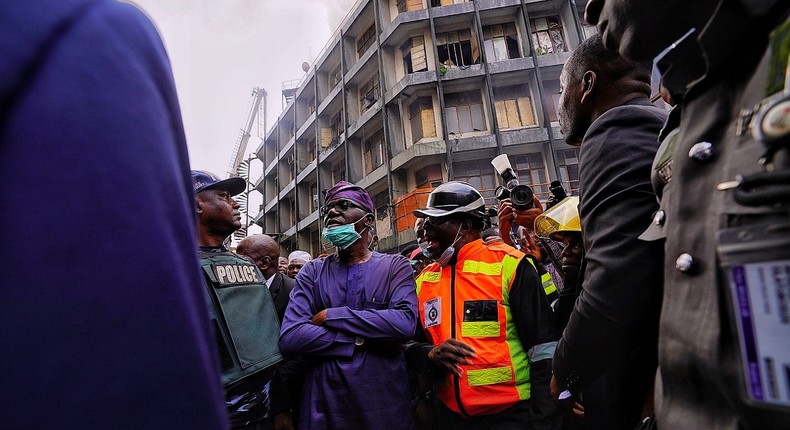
point(452, 198)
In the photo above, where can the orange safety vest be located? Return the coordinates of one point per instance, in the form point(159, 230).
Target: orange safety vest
point(469, 302)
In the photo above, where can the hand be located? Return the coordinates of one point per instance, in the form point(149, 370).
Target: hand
point(319, 318)
point(283, 421)
point(568, 405)
point(507, 215)
point(450, 353)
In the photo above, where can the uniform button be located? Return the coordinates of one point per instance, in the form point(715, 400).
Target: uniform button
point(684, 263)
point(659, 218)
point(701, 152)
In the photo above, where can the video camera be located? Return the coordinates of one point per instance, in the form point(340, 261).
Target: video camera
point(520, 195)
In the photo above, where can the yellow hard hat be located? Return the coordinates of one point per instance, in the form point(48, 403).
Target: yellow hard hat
point(562, 217)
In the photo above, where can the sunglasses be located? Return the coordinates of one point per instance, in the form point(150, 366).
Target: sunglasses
point(339, 206)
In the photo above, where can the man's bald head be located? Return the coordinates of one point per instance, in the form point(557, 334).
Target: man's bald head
point(263, 250)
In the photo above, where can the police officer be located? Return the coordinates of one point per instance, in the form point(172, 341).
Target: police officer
point(242, 311)
point(728, 190)
point(486, 318)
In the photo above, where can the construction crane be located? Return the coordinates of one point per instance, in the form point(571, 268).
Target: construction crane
point(258, 95)
point(238, 165)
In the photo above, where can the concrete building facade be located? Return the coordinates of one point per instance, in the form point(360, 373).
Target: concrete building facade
point(411, 93)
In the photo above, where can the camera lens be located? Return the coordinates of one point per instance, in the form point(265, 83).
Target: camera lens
point(521, 196)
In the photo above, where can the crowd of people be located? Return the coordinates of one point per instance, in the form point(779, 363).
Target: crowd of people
point(655, 298)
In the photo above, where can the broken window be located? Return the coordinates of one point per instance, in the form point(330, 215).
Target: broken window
point(334, 77)
point(568, 162)
point(366, 40)
point(464, 112)
point(429, 176)
point(373, 152)
point(438, 3)
point(422, 119)
point(339, 173)
point(330, 136)
point(547, 35)
point(513, 107)
point(480, 175)
point(531, 170)
point(501, 42)
point(457, 48)
point(409, 5)
point(336, 124)
point(414, 55)
point(313, 198)
point(369, 92)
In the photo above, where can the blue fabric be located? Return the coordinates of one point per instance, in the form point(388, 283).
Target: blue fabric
point(351, 387)
point(102, 305)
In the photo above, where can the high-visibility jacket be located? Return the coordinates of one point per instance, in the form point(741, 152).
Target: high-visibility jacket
point(469, 302)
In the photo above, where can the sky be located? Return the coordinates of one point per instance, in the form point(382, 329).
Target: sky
point(221, 49)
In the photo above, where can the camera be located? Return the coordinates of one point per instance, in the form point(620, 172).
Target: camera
point(557, 190)
point(520, 195)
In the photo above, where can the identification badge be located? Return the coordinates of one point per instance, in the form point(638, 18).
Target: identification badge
point(756, 265)
point(433, 312)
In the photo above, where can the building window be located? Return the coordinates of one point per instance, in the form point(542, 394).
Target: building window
point(429, 176)
point(501, 42)
point(330, 136)
point(480, 175)
point(531, 170)
point(334, 77)
point(339, 173)
point(551, 88)
point(336, 124)
point(547, 35)
point(513, 107)
point(373, 152)
point(366, 40)
point(409, 5)
point(313, 198)
point(464, 112)
point(315, 243)
point(438, 3)
point(568, 161)
point(311, 151)
point(311, 106)
point(422, 119)
point(457, 48)
point(414, 55)
point(369, 92)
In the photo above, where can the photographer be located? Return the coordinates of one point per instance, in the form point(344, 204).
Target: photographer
point(518, 208)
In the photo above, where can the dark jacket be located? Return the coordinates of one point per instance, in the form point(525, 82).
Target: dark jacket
point(700, 378)
point(281, 293)
point(614, 323)
point(102, 299)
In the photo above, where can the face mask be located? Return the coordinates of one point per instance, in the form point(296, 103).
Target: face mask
point(450, 251)
point(343, 236)
point(424, 249)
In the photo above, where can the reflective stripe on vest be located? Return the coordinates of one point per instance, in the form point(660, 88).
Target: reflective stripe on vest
point(499, 376)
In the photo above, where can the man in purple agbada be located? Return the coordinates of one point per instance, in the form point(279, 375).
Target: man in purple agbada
point(349, 314)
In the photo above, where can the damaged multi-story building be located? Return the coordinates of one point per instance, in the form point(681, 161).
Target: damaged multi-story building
point(411, 93)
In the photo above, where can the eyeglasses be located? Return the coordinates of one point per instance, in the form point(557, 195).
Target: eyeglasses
point(339, 206)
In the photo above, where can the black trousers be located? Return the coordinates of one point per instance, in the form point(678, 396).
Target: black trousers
point(517, 417)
